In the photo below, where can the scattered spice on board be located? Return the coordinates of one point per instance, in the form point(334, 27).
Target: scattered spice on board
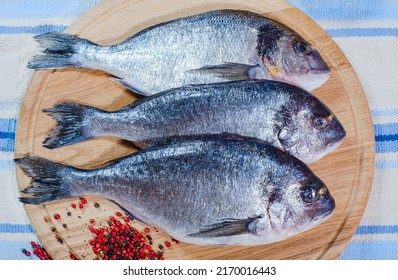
point(118, 240)
point(38, 251)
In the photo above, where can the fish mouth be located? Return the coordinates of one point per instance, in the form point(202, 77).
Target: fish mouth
point(324, 214)
point(329, 148)
point(327, 208)
point(318, 71)
point(334, 144)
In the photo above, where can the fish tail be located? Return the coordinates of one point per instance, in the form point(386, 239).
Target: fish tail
point(47, 182)
point(73, 125)
point(60, 51)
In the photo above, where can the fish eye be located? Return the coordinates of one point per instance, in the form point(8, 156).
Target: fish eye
point(301, 47)
point(309, 195)
point(320, 122)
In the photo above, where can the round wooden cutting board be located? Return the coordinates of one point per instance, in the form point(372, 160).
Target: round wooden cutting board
point(348, 171)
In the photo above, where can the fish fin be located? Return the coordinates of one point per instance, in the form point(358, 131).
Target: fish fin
point(229, 71)
point(47, 183)
point(70, 126)
point(126, 84)
point(231, 227)
point(59, 51)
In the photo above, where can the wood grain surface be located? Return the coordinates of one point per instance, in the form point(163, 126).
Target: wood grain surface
point(348, 171)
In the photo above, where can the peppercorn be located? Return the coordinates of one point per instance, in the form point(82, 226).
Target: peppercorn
point(83, 200)
point(121, 241)
point(59, 239)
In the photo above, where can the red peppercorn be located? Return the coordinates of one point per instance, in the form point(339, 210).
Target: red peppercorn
point(73, 205)
point(147, 230)
point(168, 244)
point(83, 200)
point(81, 205)
point(57, 216)
point(118, 214)
point(72, 256)
point(176, 241)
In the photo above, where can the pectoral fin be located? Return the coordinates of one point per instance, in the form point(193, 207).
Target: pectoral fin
point(229, 71)
point(231, 227)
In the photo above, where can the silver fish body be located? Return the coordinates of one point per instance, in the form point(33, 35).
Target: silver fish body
point(215, 46)
point(201, 192)
point(277, 113)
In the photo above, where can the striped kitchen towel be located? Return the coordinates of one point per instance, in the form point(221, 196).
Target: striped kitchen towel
point(366, 31)
point(19, 22)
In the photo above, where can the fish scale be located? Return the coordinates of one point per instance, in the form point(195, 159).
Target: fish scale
point(277, 113)
point(215, 46)
point(228, 192)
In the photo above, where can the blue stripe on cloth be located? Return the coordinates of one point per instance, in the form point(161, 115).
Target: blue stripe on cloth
point(10, 135)
point(12, 250)
point(384, 113)
point(382, 138)
point(32, 29)
point(15, 228)
point(8, 125)
point(386, 164)
point(44, 8)
point(7, 145)
point(348, 10)
point(5, 164)
point(377, 229)
point(386, 129)
point(7, 134)
point(363, 32)
point(386, 147)
point(371, 250)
